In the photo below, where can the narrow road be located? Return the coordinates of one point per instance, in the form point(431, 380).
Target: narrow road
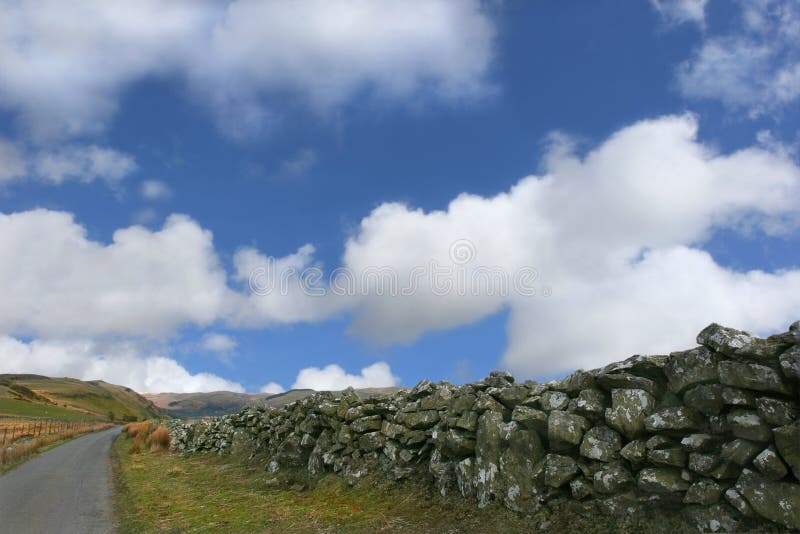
point(67, 489)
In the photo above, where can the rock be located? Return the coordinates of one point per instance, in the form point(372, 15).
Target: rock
point(591, 403)
point(787, 441)
point(752, 376)
point(776, 501)
point(651, 367)
point(565, 430)
point(738, 397)
point(707, 399)
point(465, 477)
point(676, 418)
point(559, 469)
point(627, 381)
point(716, 518)
point(629, 408)
point(704, 492)
point(746, 424)
point(367, 424)
point(790, 363)
point(443, 472)
point(601, 443)
point(517, 466)
point(487, 458)
point(419, 420)
point(511, 396)
point(659, 442)
point(553, 400)
point(580, 489)
point(612, 478)
point(635, 452)
point(739, 451)
point(776, 412)
point(662, 480)
point(458, 444)
point(531, 418)
point(392, 430)
point(703, 463)
point(738, 502)
point(577, 381)
point(698, 442)
point(770, 465)
point(422, 389)
point(371, 441)
point(674, 456)
point(738, 344)
point(687, 368)
point(468, 421)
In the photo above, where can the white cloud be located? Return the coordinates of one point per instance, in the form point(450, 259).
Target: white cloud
point(82, 163)
point(300, 163)
point(155, 190)
point(214, 342)
point(12, 162)
point(65, 66)
point(612, 233)
point(123, 363)
point(680, 11)
point(272, 387)
point(334, 378)
point(56, 282)
point(756, 67)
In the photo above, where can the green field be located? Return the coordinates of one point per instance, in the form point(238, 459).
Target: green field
point(21, 408)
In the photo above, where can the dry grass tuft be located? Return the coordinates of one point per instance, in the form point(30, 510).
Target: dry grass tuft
point(159, 439)
point(146, 435)
point(134, 430)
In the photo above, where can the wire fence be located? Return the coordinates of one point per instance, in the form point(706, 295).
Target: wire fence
point(15, 429)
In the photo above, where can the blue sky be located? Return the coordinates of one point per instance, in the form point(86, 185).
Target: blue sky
point(272, 130)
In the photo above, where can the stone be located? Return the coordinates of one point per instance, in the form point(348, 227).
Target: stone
point(458, 444)
point(612, 478)
point(739, 451)
point(629, 408)
point(703, 463)
point(367, 424)
point(659, 442)
point(511, 396)
point(559, 469)
point(678, 418)
point(752, 376)
point(392, 430)
point(662, 480)
point(553, 400)
point(531, 418)
point(650, 366)
point(776, 501)
point(739, 344)
point(790, 363)
point(715, 518)
point(704, 492)
point(746, 424)
point(517, 464)
point(467, 421)
point(580, 489)
point(687, 368)
point(776, 412)
point(674, 456)
point(577, 381)
point(601, 443)
point(787, 441)
point(371, 441)
point(591, 403)
point(698, 442)
point(705, 398)
point(465, 477)
point(487, 458)
point(635, 451)
point(738, 502)
point(565, 430)
point(422, 389)
point(770, 465)
point(738, 397)
point(419, 420)
point(443, 472)
point(628, 381)
point(718, 424)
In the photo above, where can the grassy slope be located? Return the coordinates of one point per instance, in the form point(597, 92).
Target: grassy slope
point(163, 492)
point(68, 398)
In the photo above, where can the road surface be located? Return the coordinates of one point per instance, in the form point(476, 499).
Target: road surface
point(67, 489)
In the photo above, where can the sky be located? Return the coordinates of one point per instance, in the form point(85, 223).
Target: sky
point(257, 196)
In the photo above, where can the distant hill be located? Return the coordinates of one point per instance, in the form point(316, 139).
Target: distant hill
point(69, 398)
point(193, 405)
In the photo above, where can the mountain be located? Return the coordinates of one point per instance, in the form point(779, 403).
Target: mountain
point(193, 405)
point(69, 398)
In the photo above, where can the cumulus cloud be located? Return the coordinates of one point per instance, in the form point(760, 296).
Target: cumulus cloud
point(214, 342)
point(333, 378)
point(755, 67)
point(124, 363)
point(614, 234)
point(272, 387)
point(12, 162)
point(155, 190)
point(300, 163)
point(680, 11)
point(65, 66)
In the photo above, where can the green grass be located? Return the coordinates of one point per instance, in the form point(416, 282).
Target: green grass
point(164, 492)
point(21, 408)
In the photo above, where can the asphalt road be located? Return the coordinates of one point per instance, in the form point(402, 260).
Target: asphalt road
point(67, 489)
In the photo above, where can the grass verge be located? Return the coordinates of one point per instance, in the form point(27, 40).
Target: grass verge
point(164, 492)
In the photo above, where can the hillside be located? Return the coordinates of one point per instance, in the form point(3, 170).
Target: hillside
point(192, 405)
point(69, 398)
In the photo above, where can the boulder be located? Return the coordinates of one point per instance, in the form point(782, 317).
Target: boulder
point(487, 458)
point(635, 451)
point(704, 492)
point(565, 430)
point(739, 344)
point(770, 465)
point(747, 424)
point(776, 501)
point(601, 443)
point(790, 363)
point(705, 398)
point(678, 418)
point(419, 420)
point(691, 367)
point(591, 403)
point(629, 408)
point(739, 451)
point(674, 456)
point(776, 412)
point(787, 441)
point(559, 469)
point(663, 480)
point(612, 478)
point(553, 400)
point(752, 376)
point(531, 418)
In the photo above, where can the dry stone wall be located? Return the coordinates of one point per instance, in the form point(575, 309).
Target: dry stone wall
point(713, 430)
